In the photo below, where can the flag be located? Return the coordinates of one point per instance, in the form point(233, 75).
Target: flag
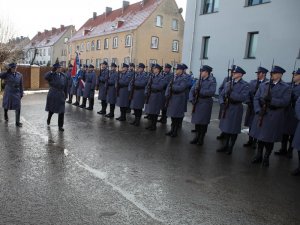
point(76, 67)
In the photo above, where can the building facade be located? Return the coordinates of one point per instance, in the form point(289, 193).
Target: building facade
point(252, 32)
point(48, 46)
point(148, 31)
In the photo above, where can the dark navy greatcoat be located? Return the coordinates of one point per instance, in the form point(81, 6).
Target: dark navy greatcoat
point(271, 129)
point(232, 122)
point(102, 79)
point(254, 85)
point(80, 86)
point(57, 93)
point(110, 84)
point(70, 81)
point(13, 91)
point(155, 103)
point(204, 104)
point(123, 98)
point(138, 98)
point(296, 141)
point(177, 103)
point(90, 84)
point(291, 121)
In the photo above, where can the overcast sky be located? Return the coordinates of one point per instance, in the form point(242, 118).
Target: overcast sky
point(30, 16)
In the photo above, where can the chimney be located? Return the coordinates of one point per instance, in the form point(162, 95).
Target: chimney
point(62, 27)
point(144, 2)
point(53, 30)
point(94, 15)
point(125, 5)
point(46, 32)
point(108, 10)
point(39, 33)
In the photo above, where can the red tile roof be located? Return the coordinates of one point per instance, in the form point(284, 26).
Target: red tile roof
point(132, 17)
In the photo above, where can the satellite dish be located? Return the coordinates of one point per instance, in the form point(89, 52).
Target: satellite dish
point(180, 10)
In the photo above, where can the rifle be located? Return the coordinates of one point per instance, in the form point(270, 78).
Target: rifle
point(197, 90)
point(293, 101)
point(149, 87)
point(118, 85)
point(266, 104)
point(106, 82)
point(227, 96)
point(132, 86)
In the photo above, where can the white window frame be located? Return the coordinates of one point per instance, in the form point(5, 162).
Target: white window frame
point(106, 43)
point(175, 46)
point(98, 44)
point(115, 42)
point(128, 40)
point(159, 21)
point(176, 25)
point(153, 44)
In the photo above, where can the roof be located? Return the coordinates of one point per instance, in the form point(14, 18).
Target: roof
point(47, 38)
point(133, 16)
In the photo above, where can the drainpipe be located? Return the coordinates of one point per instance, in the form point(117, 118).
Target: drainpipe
point(193, 33)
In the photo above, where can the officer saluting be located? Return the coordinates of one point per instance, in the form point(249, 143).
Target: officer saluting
point(201, 97)
point(254, 85)
point(13, 92)
point(90, 84)
point(233, 95)
point(57, 94)
point(269, 105)
point(102, 78)
point(110, 87)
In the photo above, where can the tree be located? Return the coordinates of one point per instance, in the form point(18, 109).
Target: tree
point(6, 33)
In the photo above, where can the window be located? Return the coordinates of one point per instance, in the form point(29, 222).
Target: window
point(127, 60)
point(175, 46)
point(88, 46)
point(205, 43)
point(115, 42)
point(93, 46)
point(106, 43)
point(66, 40)
point(154, 42)
point(87, 62)
point(98, 44)
point(174, 24)
point(128, 41)
point(159, 21)
point(152, 61)
point(44, 52)
point(257, 2)
point(97, 63)
point(82, 47)
point(251, 45)
point(40, 52)
point(210, 6)
point(92, 61)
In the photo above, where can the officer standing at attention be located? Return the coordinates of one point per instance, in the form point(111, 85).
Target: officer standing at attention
point(70, 83)
point(176, 100)
point(81, 84)
point(57, 94)
point(90, 84)
point(101, 82)
point(122, 91)
point(270, 102)
point(232, 96)
point(296, 141)
point(75, 86)
point(254, 85)
point(110, 87)
point(201, 97)
point(13, 92)
point(137, 93)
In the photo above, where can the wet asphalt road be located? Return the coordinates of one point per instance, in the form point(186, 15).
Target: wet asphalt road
point(101, 171)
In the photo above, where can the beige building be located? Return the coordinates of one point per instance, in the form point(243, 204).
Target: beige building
point(148, 31)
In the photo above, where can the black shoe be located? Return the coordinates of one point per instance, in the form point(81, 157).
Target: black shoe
point(89, 108)
point(193, 131)
point(162, 120)
point(254, 145)
point(223, 149)
point(266, 162)
point(152, 128)
point(281, 152)
point(110, 115)
point(146, 117)
point(82, 106)
point(121, 119)
point(61, 129)
point(18, 124)
point(220, 137)
point(101, 112)
point(174, 135)
point(169, 133)
point(256, 160)
point(76, 104)
point(6, 118)
point(248, 144)
point(194, 141)
point(69, 101)
point(200, 142)
point(118, 118)
point(296, 172)
point(48, 121)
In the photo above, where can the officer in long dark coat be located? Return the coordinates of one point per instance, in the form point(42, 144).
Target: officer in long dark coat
point(122, 91)
point(101, 85)
point(137, 93)
point(110, 86)
point(296, 141)
point(13, 92)
point(154, 96)
point(176, 99)
point(291, 121)
point(90, 85)
point(201, 97)
point(70, 83)
point(75, 86)
point(81, 85)
point(168, 76)
point(57, 94)
point(254, 85)
point(270, 102)
point(233, 95)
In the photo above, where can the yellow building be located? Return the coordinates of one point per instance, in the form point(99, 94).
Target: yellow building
point(150, 31)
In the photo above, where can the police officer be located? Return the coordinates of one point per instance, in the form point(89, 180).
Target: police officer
point(291, 121)
point(201, 97)
point(232, 96)
point(154, 96)
point(176, 99)
point(122, 91)
point(102, 79)
point(168, 76)
point(269, 105)
point(296, 141)
point(254, 85)
point(75, 86)
point(81, 85)
point(110, 87)
point(137, 93)
point(70, 83)
point(13, 92)
point(57, 94)
point(149, 75)
point(90, 85)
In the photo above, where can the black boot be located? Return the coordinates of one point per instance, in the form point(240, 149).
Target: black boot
point(249, 143)
point(6, 115)
point(154, 122)
point(103, 108)
point(91, 104)
point(177, 125)
point(269, 148)
point(172, 128)
point(290, 149)
point(61, 122)
point(221, 136)
point(225, 147)
point(18, 115)
point(111, 113)
point(83, 105)
point(123, 114)
point(284, 143)
point(203, 130)
point(70, 99)
point(163, 118)
point(77, 101)
point(49, 118)
point(259, 155)
point(150, 118)
point(232, 141)
point(296, 172)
